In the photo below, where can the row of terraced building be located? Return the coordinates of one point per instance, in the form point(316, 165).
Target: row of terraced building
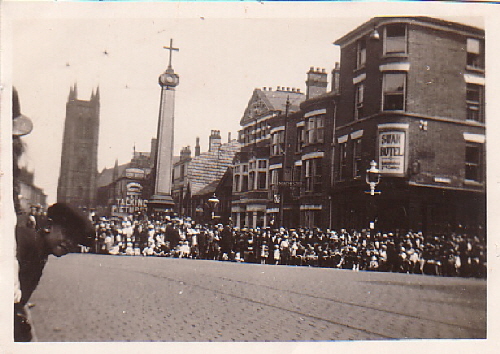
point(408, 93)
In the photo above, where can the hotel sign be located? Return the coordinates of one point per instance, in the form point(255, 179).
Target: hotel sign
point(392, 152)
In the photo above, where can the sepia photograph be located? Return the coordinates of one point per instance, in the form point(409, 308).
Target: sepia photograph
point(293, 177)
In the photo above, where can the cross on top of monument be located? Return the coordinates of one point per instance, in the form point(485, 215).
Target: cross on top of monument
point(171, 48)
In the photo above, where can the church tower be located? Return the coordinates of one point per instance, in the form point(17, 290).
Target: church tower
point(78, 172)
point(162, 198)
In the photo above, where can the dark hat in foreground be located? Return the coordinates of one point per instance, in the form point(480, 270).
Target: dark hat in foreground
point(21, 125)
point(78, 227)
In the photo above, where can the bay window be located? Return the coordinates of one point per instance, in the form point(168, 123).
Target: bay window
point(277, 142)
point(315, 129)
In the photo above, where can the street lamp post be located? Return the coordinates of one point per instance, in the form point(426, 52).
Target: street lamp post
point(372, 179)
point(213, 203)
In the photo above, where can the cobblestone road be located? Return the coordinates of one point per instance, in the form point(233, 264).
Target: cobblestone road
point(86, 297)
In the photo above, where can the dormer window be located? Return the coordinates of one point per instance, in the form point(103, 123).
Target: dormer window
point(395, 39)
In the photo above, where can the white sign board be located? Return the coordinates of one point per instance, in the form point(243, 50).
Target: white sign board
point(392, 152)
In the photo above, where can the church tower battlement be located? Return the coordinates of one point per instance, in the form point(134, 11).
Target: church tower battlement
point(78, 171)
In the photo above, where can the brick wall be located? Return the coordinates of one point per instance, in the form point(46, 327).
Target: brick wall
point(440, 151)
point(345, 110)
point(436, 85)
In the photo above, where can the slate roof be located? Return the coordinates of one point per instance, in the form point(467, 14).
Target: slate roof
point(210, 166)
point(209, 189)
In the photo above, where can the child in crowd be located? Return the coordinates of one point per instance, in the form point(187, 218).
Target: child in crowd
point(184, 250)
point(264, 252)
point(447, 255)
point(276, 254)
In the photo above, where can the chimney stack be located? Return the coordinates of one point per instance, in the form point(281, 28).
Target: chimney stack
point(154, 147)
point(185, 153)
point(316, 83)
point(214, 141)
point(336, 78)
point(197, 150)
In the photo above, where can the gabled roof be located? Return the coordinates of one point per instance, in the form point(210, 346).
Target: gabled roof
point(264, 102)
point(210, 166)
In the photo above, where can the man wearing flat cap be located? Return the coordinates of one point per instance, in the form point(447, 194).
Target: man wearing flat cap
point(64, 228)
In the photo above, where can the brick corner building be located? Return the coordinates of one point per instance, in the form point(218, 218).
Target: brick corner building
point(412, 99)
point(408, 94)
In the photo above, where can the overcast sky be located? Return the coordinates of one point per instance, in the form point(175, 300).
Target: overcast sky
point(226, 51)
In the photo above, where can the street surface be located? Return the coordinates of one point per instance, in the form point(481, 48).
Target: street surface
point(89, 298)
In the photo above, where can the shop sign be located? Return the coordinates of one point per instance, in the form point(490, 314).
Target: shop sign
point(134, 188)
point(137, 173)
point(289, 184)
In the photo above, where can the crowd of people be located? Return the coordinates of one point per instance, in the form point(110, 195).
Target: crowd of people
point(406, 252)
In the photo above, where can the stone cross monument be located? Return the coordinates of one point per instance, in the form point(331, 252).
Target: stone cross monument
point(162, 198)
